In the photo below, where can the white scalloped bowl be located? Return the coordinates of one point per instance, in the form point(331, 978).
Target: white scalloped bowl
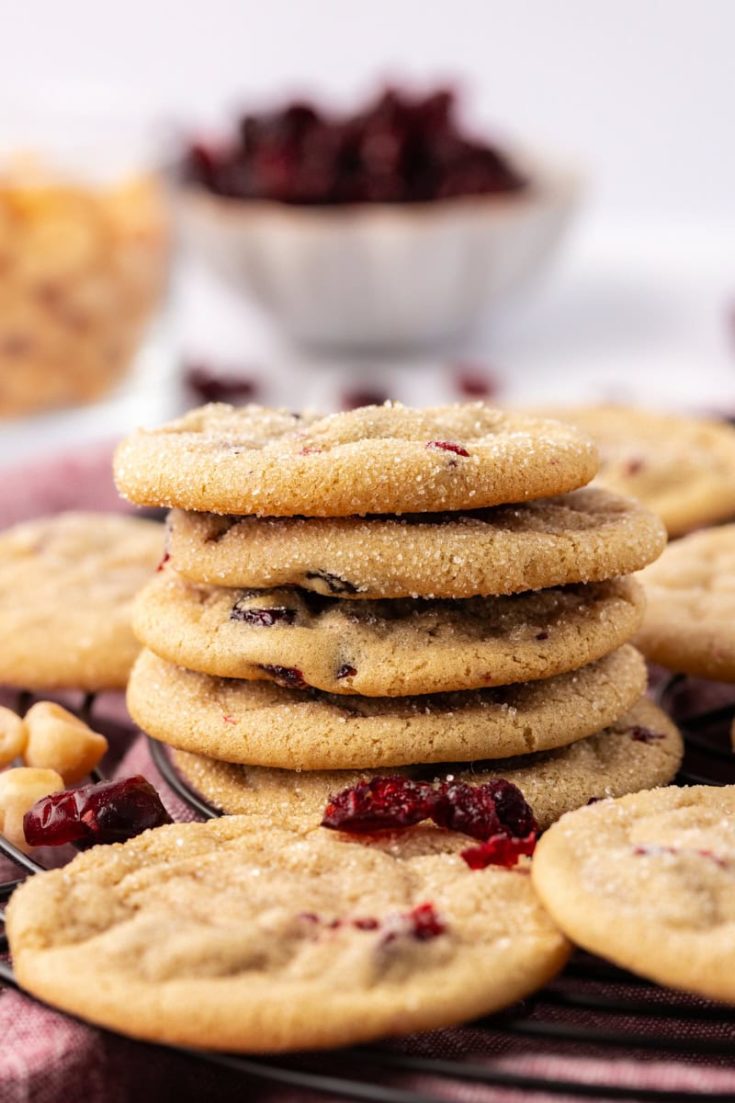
point(380, 276)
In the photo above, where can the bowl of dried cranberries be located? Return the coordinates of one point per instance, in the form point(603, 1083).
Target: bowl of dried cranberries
point(390, 228)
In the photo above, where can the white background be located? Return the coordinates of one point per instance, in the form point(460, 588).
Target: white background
point(639, 93)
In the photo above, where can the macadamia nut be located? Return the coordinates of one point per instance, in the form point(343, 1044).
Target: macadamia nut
point(13, 736)
point(20, 788)
point(58, 740)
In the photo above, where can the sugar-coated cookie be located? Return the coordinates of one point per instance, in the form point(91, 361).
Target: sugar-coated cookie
point(681, 467)
point(384, 648)
point(244, 935)
point(376, 459)
point(647, 882)
point(689, 623)
point(67, 584)
point(262, 724)
point(588, 535)
point(641, 750)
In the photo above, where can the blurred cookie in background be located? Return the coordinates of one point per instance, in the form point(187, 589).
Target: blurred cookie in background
point(681, 467)
point(66, 588)
point(689, 624)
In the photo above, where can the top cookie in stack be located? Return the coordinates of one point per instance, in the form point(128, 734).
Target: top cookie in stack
point(388, 587)
point(376, 459)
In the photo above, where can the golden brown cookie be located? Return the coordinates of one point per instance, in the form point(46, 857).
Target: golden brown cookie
point(587, 536)
point(262, 724)
point(66, 589)
point(689, 624)
point(683, 468)
point(376, 459)
point(647, 882)
point(640, 751)
point(243, 935)
point(384, 648)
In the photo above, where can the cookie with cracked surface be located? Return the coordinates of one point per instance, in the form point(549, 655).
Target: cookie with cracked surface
point(262, 724)
point(647, 882)
point(384, 648)
point(641, 750)
point(681, 467)
point(588, 535)
point(230, 934)
point(690, 606)
point(375, 459)
point(67, 584)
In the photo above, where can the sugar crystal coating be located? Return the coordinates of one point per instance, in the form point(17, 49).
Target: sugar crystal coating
point(396, 648)
point(263, 723)
point(374, 459)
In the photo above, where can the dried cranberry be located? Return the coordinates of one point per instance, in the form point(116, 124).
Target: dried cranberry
point(483, 811)
point(289, 676)
point(633, 466)
point(335, 584)
point(474, 382)
point(109, 812)
point(499, 850)
point(362, 396)
point(346, 671)
point(653, 850)
point(491, 812)
point(262, 618)
point(448, 446)
point(469, 809)
point(203, 160)
point(379, 804)
point(721, 862)
point(425, 923)
point(514, 811)
point(164, 560)
point(542, 635)
point(421, 923)
point(645, 735)
point(213, 386)
point(366, 924)
point(398, 149)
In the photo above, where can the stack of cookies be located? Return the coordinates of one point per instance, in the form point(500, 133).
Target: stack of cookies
point(392, 590)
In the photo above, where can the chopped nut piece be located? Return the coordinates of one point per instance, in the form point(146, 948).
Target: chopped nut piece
point(20, 788)
point(13, 736)
point(60, 741)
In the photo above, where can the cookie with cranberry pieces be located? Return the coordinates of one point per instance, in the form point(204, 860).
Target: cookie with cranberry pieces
point(67, 584)
point(384, 648)
point(641, 750)
point(248, 936)
point(375, 459)
point(588, 535)
point(681, 467)
point(690, 606)
point(263, 724)
point(647, 881)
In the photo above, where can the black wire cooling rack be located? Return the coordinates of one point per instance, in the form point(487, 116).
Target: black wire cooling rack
point(592, 1009)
